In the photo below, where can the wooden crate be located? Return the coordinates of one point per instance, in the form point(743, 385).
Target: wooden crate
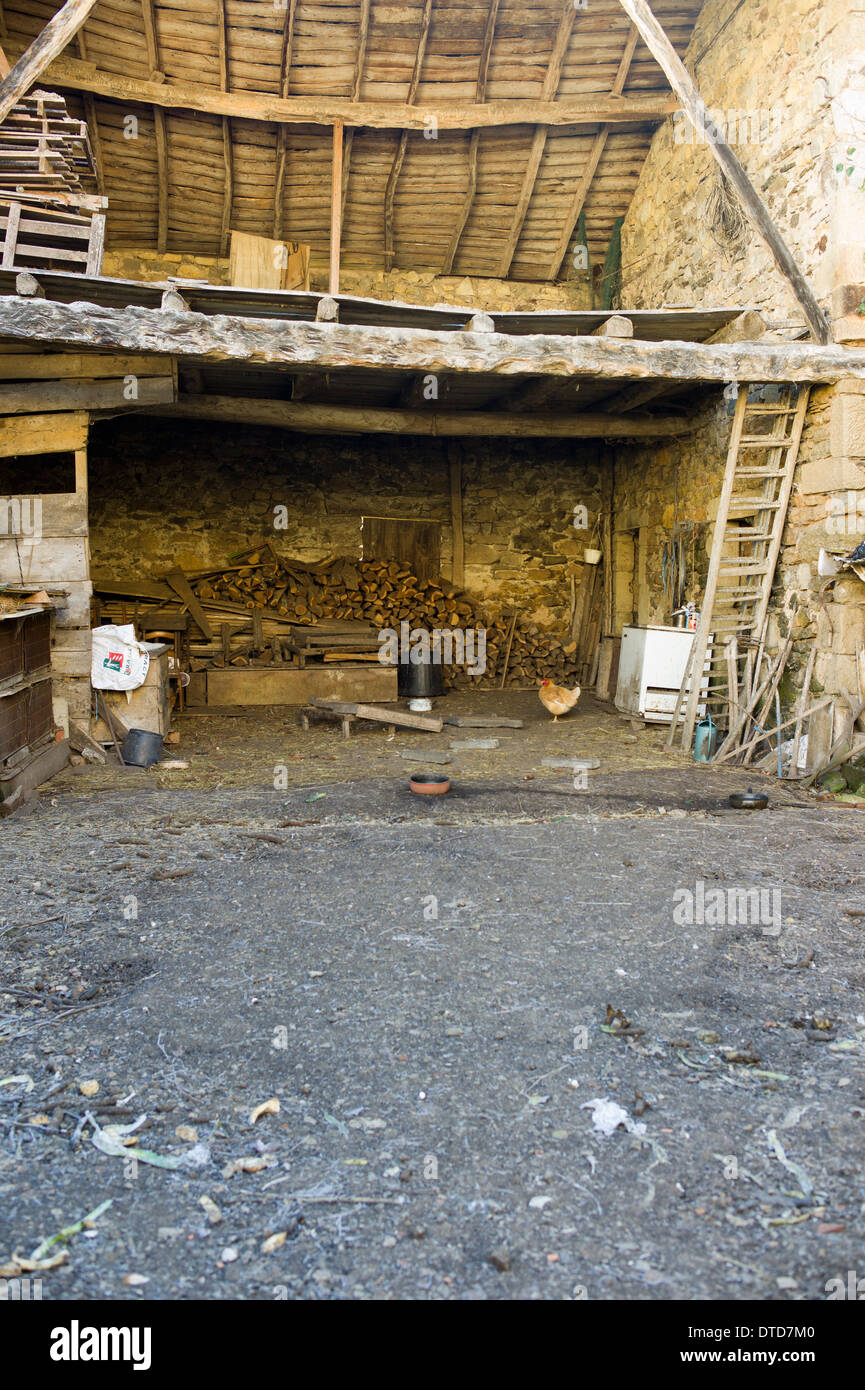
point(26, 718)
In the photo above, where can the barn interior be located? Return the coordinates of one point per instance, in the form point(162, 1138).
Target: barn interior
point(253, 431)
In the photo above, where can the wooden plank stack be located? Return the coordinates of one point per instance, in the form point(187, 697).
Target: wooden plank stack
point(51, 217)
point(43, 150)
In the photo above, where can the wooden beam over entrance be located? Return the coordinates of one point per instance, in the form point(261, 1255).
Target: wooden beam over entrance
point(350, 419)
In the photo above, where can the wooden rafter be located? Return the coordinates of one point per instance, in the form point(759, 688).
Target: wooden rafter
point(95, 141)
point(683, 85)
point(228, 193)
point(336, 208)
point(598, 146)
point(360, 63)
point(635, 397)
point(534, 394)
point(159, 126)
point(227, 151)
point(151, 40)
point(222, 43)
point(539, 138)
point(92, 120)
point(35, 60)
point(284, 87)
point(474, 139)
point(399, 158)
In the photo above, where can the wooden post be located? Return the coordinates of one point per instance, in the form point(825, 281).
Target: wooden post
point(336, 207)
point(640, 12)
point(50, 41)
point(458, 564)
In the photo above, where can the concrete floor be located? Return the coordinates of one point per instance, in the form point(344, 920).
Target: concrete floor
point(434, 993)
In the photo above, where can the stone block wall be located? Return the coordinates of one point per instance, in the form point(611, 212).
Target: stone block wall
point(407, 286)
point(180, 492)
point(801, 65)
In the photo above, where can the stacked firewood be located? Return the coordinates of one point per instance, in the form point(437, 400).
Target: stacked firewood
point(384, 594)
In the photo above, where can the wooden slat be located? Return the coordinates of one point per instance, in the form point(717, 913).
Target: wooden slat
point(26, 397)
point(96, 247)
point(43, 434)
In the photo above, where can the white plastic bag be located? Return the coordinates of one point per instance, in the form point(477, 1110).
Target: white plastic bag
point(119, 661)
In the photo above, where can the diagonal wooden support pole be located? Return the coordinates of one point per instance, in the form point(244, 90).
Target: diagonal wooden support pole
point(51, 41)
point(655, 39)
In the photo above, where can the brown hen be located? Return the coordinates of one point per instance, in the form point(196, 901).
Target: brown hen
point(557, 699)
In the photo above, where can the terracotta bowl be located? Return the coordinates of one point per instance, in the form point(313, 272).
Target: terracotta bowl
point(429, 783)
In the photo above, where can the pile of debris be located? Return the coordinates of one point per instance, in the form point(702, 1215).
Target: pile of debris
point(266, 608)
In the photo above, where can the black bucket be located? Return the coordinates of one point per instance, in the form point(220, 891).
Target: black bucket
point(419, 680)
point(142, 748)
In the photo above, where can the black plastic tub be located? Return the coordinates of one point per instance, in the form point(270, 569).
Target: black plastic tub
point(419, 681)
point(142, 748)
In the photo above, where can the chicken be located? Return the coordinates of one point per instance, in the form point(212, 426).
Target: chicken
point(557, 699)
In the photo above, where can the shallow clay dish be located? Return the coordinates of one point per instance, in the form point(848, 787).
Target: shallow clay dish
point(749, 801)
point(429, 783)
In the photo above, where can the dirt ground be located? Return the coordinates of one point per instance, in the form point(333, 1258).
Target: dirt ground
point(436, 992)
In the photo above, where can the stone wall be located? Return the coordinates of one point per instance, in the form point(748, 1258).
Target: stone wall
point(778, 74)
point(407, 286)
point(164, 493)
point(803, 65)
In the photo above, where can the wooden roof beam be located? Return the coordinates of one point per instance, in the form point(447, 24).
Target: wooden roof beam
point(360, 63)
point(635, 397)
point(539, 139)
point(474, 140)
point(374, 115)
point(399, 157)
point(375, 420)
point(35, 60)
point(532, 395)
point(151, 40)
point(332, 346)
point(655, 39)
point(335, 208)
point(284, 88)
point(162, 178)
point(599, 144)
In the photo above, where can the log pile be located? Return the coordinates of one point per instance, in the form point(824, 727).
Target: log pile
point(278, 596)
point(384, 594)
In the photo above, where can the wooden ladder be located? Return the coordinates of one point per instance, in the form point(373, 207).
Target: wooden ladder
point(752, 513)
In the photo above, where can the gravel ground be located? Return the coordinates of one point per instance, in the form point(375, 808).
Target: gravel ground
point(434, 992)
